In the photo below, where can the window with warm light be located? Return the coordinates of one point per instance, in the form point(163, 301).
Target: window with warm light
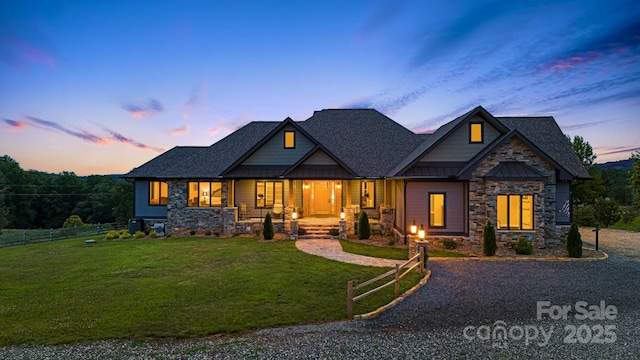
point(436, 210)
point(289, 139)
point(368, 194)
point(476, 133)
point(158, 192)
point(515, 212)
point(204, 194)
point(269, 193)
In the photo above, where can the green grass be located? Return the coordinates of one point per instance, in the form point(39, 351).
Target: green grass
point(386, 252)
point(633, 225)
point(66, 291)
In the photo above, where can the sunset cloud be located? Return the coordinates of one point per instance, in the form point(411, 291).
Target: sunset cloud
point(15, 125)
point(25, 46)
point(125, 140)
point(195, 100)
point(143, 109)
point(616, 150)
point(180, 131)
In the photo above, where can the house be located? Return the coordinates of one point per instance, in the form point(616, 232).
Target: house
point(513, 171)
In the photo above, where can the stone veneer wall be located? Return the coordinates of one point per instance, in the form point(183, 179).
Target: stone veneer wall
point(483, 194)
point(387, 219)
point(180, 217)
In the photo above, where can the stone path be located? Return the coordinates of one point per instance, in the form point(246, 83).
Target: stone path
point(331, 249)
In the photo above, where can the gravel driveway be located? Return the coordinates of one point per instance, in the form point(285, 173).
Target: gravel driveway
point(452, 316)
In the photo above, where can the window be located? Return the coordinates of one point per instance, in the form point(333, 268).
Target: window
point(476, 133)
point(368, 194)
point(158, 193)
point(289, 139)
point(436, 210)
point(515, 212)
point(205, 194)
point(269, 193)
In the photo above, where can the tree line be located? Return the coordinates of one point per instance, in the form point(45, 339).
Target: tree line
point(32, 199)
point(612, 195)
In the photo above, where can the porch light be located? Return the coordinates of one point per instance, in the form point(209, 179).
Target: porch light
point(414, 227)
point(294, 215)
point(342, 215)
point(338, 185)
point(421, 232)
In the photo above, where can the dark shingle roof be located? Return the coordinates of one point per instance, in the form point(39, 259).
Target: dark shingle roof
point(546, 134)
point(366, 141)
point(204, 162)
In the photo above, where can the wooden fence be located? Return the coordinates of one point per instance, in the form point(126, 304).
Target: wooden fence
point(352, 288)
point(23, 237)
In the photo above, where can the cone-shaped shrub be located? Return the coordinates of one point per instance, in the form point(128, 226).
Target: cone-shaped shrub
point(489, 245)
point(574, 242)
point(364, 230)
point(267, 230)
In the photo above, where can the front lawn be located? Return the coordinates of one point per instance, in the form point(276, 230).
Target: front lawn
point(387, 252)
point(66, 291)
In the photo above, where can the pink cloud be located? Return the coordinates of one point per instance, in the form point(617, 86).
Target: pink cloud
point(15, 125)
point(180, 131)
point(143, 109)
point(19, 52)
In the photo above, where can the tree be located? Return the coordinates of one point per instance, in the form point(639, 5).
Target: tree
point(19, 194)
point(574, 242)
point(364, 229)
point(268, 232)
point(122, 195)
point(634, 179)
point(489, 245)
point(583, 149)
point(73, 221)
point(606, 211)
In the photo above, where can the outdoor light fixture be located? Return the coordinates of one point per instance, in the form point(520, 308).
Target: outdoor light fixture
point(342, 215)
point(414, 227)
point(294, 215)
point(421, 232)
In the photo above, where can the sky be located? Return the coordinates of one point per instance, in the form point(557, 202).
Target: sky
point(101, 87)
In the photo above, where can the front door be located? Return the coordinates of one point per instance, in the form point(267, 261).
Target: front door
point(322, 198)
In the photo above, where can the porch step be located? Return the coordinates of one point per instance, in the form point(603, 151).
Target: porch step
point(318, 231)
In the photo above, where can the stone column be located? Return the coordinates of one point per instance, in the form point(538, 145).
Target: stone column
point(342, 229)
point(350, 218)
point(229, 216)
point(294, 229)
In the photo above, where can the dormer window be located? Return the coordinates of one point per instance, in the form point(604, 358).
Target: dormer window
point(476, 133)
point(289, 139)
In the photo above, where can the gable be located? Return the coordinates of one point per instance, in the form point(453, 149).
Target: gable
point(319, 158)
point(457, 146)
point(273, 151)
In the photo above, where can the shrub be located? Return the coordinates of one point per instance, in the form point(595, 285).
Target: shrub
point(607, 212)
point(207, 233)
point(192, 232)
point(302, 231)
point(334, 232)
point(489, 245)
point(125, 235)
point(139, 234)
point(574, 242)
point(153, 234)
point(364, 229)
point(391, 241)
point(112, 234)
point(449, 244)
point(73, 220)
point(584, 215)
point(523, 246)
point(267, 230)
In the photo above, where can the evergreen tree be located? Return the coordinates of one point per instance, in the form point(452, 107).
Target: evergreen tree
point(489, 245)
point(574, 242)
point(364, 229)
point(268, 232)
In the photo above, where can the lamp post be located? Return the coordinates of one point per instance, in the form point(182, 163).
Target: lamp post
point(414, 227)
point(421, 232)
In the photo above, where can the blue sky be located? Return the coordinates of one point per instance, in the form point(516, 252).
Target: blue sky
point(99, 87)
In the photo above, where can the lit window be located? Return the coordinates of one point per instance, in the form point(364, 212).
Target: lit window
point(205, 194)
point(158, 192)
point(368, 194)
point(269, 193)
point(515, 212)
point(436, 210)
point(289, 139)
point(475, 133)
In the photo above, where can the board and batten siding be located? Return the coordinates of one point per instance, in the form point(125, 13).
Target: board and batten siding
point(399, 205)
point(274, 153)
point(142, 209)
point(456, 146)
point(455, 205)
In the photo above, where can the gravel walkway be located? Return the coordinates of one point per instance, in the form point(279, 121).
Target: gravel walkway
point(451, 317)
